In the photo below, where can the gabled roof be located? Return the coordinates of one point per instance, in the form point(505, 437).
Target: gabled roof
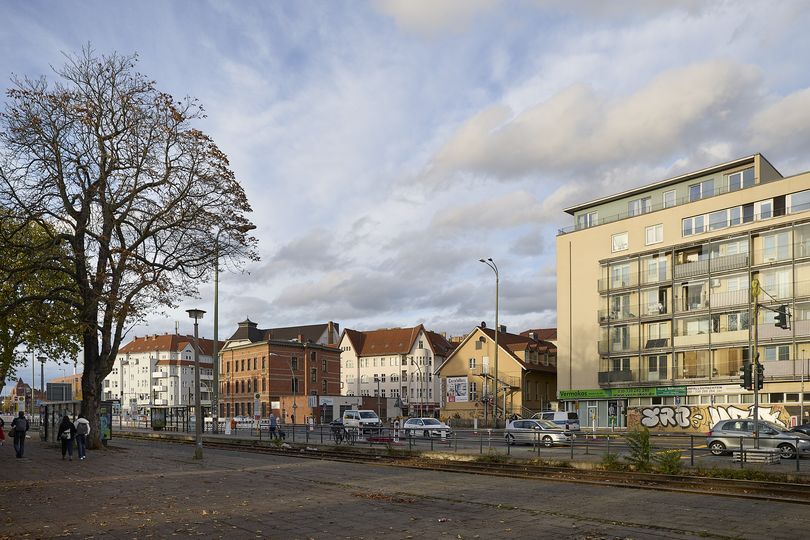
point(508, 343)
point(166, 343)
point(249, 331)
point(394, 341)
point(549, 334)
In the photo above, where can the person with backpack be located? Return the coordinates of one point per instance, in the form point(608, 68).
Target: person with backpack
point(82, 431)
point(19, 426)
point(67, 432)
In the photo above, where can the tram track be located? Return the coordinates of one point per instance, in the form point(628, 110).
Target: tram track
point(789, 492)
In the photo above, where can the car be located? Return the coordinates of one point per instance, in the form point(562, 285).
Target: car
point(725, 436)
point(337, 422)
point(426, 427)
point(804, 428)
point(566, 420)
point(533, 430)
point(361, 419)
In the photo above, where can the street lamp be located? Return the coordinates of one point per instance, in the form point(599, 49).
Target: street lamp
point(215, 393)
point(197, 314)
point(42, 360)
point(489, 262)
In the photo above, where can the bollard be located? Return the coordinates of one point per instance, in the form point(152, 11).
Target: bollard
point(572, 448)
point(480, 442)
point(742, 456)
point(692, 450)
point(587, 453)
point(321, 428)
point(431, 442)
point(508, 449)
point(798, 457)
point(608, 444)
point(455, 441)
point(292, 426)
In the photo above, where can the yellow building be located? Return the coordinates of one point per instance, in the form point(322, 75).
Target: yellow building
point(654, 305)
point(527, 373)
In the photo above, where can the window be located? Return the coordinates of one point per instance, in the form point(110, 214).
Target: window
point(799, 202)
point(294, 384)
point(735, 215)
point(588, 219)
point(776, 247)
point(618, 242)
point(654, 234)
point(702, 190)
point(742, 179)
point(693, 225)
point(421, 344)
point(294, 363)
point(718, 220)
point(764, 209)
point(777, 352)
point(471, 363)
point(656, 368)
point(620, 275)
point(473, 391)
point(313, 375)
point(619, 364)
point(669, 198)
point(639, 206)
point(748, 213)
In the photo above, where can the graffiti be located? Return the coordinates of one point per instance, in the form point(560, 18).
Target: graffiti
point(698, 418)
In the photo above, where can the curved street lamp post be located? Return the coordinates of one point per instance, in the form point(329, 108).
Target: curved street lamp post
point(489, 262)
point(197, 314)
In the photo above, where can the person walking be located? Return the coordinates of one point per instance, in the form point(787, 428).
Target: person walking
point(273, 425)
point(82, 431)
point(67, 432)
point(2, 433)
point(19, 426)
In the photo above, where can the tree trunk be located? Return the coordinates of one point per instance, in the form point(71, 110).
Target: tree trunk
point(90, 384)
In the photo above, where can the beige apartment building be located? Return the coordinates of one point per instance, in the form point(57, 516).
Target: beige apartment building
point(654, 310)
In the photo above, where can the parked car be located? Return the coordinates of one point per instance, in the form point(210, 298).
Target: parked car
point(362, 420)
point(804, 428)
point(566, 420)
point(426, 427)
point(337, 422)
point(725, 437)
point(536, 431)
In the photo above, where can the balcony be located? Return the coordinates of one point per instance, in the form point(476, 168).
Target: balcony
point(160, 388)
point(608, 377)
point(654, 310)
point(729, 298)
point(618, 282)
point(608, 315)
point(158, 375)
point(607, 346)
point(161, 402)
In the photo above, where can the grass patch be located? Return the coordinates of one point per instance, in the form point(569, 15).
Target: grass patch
point(668, 462)
point(612, 462)
point(492, 457)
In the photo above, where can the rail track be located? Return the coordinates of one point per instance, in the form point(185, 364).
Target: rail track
point(790, 492)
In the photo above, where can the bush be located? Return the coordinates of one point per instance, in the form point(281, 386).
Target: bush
point(611, 462)
point(668, 462)
point(638, 442)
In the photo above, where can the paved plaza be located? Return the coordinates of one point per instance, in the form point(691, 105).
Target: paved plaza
point(138, 489)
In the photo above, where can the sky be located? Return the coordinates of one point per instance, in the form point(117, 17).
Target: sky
point(388, 145)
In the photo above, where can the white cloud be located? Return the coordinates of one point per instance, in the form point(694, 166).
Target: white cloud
point(431, 16)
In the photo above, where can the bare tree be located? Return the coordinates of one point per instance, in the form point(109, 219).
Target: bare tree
point(135, 193)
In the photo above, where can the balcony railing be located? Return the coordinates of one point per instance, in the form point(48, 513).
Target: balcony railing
point(607, 377)
point(618, 282)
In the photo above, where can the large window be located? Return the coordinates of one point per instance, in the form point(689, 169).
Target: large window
point(776, 246)
point(702, 190)
point(620, 275)
point(777, 352)
point(588, 219)
point(473, 391)
point(741, 179)
point(669, 198)
point(654, 234)
point(639, 206)
point(657, 367)
point(618, 242)
point(799, 202)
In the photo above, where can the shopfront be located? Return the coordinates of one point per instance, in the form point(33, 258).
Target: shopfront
point(607, 407)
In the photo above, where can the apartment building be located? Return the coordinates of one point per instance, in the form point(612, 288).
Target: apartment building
point(394, 363)
point(158, 370)
point(654, 309)
point(280, 371)
point(526, 378)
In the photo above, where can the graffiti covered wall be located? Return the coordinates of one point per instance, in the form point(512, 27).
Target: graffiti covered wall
point(699, 418)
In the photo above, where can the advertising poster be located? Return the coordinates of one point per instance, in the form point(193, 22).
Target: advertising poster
point(457, 390)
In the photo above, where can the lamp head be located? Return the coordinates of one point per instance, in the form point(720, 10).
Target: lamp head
point(195, 314)
point(481, 260)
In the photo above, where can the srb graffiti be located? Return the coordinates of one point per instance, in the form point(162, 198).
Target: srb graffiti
point(699, 417)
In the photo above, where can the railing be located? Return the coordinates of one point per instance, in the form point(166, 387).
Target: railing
point(615, 283)
point(607, 377)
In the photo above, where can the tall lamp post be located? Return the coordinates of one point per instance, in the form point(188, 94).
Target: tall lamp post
point(489, 262)
point(215, 393)
point(377, 380)
point(42, 360)
point(197, 314)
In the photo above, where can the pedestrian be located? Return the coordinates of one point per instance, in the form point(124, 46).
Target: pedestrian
point(67, 432)
point(19, 426)
point(273, 425)
point(2, 433)
point(82, 431)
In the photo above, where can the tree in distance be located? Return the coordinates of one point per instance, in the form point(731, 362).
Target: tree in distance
point(137, 197)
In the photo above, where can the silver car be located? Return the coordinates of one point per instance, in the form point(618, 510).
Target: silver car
point(534, 431)
point(725, 437)
point(426, 427)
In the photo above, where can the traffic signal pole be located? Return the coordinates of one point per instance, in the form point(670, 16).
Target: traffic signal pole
point(755, 369)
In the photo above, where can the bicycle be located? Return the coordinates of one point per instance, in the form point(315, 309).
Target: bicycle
point(343, 435)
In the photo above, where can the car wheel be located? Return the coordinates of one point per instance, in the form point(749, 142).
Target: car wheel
point(547, 441)
point(786, 451)
point(510, 439)
point(717, 448)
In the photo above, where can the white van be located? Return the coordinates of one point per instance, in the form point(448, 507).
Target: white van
point(567, 420)
point(361, 419)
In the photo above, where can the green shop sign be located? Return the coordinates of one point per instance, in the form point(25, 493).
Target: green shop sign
point(599, 393)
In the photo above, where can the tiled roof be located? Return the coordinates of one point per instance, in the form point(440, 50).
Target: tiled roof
point(166, 343)
point(203, 365)
point(542, 333)
point(249, 330)
point(395, 341)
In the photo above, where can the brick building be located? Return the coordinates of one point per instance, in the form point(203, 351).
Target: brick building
point(280, 373)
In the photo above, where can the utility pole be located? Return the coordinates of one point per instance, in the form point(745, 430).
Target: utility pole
point(197, 314)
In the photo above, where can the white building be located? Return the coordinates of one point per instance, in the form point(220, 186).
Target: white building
point(159, 370)
point(394, 363)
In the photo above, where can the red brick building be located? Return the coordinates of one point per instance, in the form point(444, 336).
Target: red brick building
point(280, 371)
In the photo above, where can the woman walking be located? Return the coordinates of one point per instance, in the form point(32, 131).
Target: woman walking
point(67, 432)
point(82, 431)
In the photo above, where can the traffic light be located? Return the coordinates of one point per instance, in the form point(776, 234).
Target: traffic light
point(745, 375)
point(782, 317)
point(760, 376)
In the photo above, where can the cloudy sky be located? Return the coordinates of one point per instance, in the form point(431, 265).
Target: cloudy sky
point(388, 145)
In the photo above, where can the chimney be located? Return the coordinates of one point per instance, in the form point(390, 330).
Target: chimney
point(502, 329)
point(532, 335)
point(330, 333)
point(300, 338)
